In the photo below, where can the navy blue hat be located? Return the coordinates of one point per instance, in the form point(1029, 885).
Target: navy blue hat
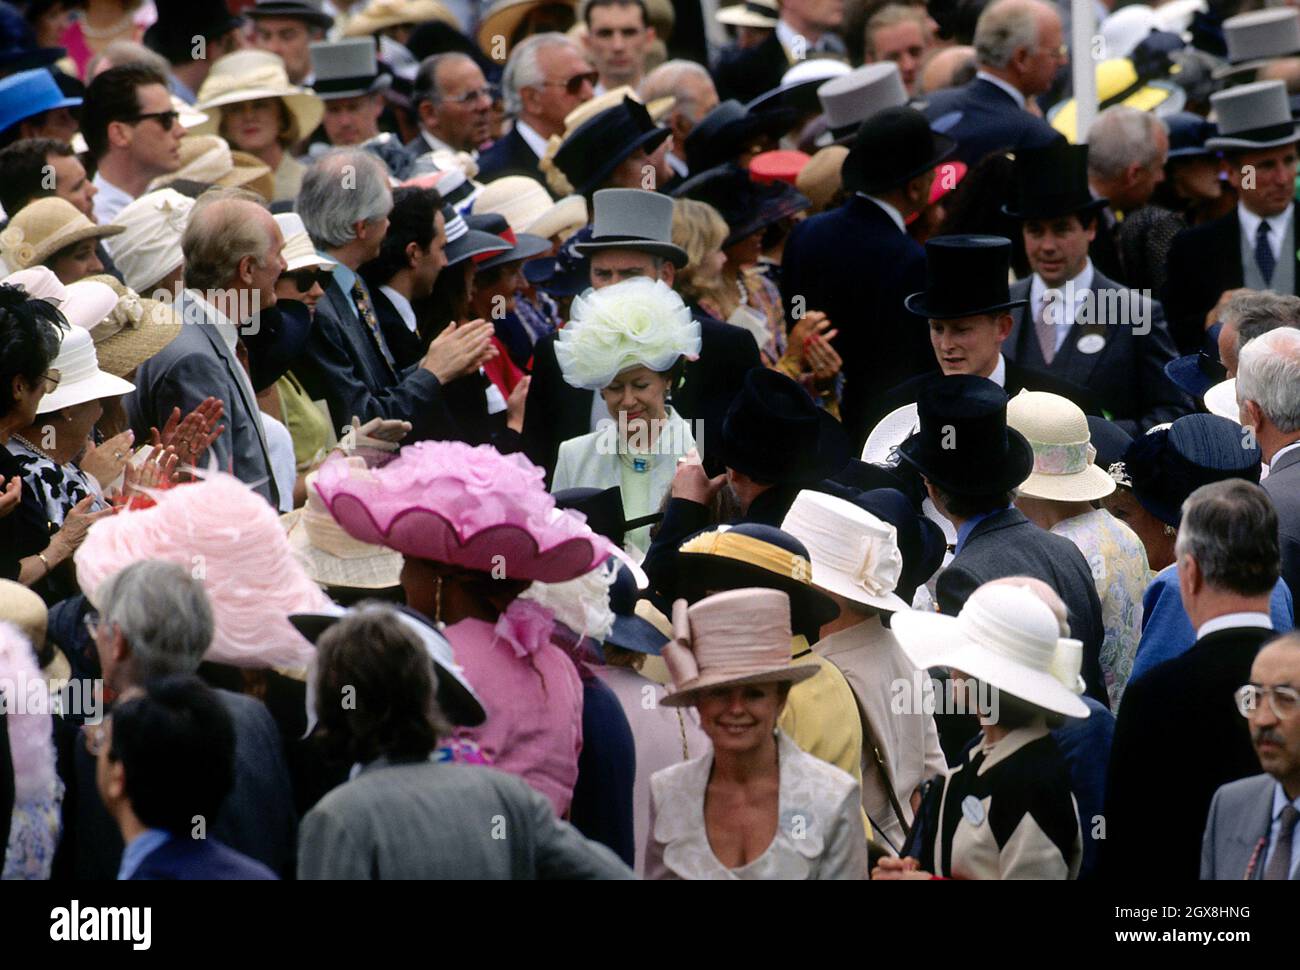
point(630, 631)
point(1168, 465)
point(521, 246)
point(1187, 134)
point(567, 273)
point(728, 130)
point(18, 50)
point(1110, 441)
point(744, 205)
point(920, 540)
point(776, 434)
point(1197, 373)
point(604, 141)
point(277, 341)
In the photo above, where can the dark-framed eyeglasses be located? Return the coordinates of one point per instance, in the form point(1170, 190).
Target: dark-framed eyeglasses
point(304, 279)
point(1283, 699)
point(573, 86)
point(52, 377)
point(165, 118)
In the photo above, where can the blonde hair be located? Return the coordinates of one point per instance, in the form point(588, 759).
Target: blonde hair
point(701, 231)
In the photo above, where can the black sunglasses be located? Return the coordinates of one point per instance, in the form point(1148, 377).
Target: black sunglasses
point(574, 84)
point(304, 279)
point(165, 118)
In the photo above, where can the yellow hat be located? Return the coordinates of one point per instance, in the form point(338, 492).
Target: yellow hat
point(1118, 83)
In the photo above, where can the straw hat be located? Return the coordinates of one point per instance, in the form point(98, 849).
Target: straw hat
point(248, 75)
point(24, 609)
point(820, 179)
point(379, 14)
point(1057, 430)
point(853, 553)
point(1005, 636)
point(80, 377)
point(738, 637)
point(298, 251)
point(562, 219)
point(330, 556)
point(761, 14)
point(42, 228)
point(522, 200)
point(150, 247)
point(133, 331)
point(504, 18)
point(208, 158)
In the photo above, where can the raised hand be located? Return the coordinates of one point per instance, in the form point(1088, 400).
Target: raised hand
point(515, 404)
point(106, 461)
point(459, 350)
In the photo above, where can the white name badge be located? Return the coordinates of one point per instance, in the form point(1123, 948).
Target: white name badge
point(972, 809)
point(1091, 343)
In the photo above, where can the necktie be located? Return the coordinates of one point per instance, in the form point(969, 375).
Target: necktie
point(1046, 333)
point(368, 317)
point(1264, 253)
point(1279, 863)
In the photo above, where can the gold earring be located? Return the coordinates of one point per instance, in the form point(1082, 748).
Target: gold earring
point(437, 605)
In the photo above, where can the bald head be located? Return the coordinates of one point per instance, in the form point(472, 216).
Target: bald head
point(948, 67)
point(231, 247)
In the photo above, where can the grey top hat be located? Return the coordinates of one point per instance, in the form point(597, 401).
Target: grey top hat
point(1256, 115)
point(850, 100)
point(1257, 37)
point(633, 219)
point(346, 69)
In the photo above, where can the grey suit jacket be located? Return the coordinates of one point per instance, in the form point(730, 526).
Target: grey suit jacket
point(194, 366)
point(1241, 815)
point(1283, 487)
point(440, 821)
point(1126, 373)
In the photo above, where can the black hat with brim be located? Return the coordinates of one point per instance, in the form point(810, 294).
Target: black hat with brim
point(173, 34)
point(1197, 373)
point(1109, 439)
point(291, 11)
point(567, 273)
point(729, 129)
point(776, 434)
point(891, 148)
point(603, 142)
point(965, 276)
point(744, 205)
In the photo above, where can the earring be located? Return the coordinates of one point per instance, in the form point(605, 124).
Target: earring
point(437, 605)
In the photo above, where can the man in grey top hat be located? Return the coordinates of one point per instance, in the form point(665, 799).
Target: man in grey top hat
point(349, 82)
point(1254, 245)
point(850, 100)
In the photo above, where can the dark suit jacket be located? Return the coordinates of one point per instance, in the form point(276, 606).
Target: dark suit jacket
point(1104, 251)
point(185, 858)
point(1178, 738)
point(406, 347)
point(558, 411)
point(1283, 487)
point(1126, 377)
point(509, 155)
point(854, 265)
point(745, 73)
point(1203, 261)
point(984, 119)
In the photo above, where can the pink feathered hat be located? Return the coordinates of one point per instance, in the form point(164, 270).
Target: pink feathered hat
point(231, 539)
point(464, 506)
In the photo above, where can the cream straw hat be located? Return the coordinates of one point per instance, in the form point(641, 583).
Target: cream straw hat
point(1057, 430)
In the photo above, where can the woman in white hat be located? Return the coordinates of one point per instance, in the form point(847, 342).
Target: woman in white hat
point(756, 806)
point(1007, 812)
point(628, 341)
point(250, 103)
point(1060, 496)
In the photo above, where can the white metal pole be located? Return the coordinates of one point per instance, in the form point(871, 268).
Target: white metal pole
point(1083, 26)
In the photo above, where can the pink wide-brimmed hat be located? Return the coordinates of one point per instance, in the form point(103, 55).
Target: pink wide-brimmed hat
point(228, 537)
point(464, 506)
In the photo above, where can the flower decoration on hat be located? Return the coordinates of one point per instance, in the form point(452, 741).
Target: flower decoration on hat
point(880, 562)
point(636, 323)
point(17, 252)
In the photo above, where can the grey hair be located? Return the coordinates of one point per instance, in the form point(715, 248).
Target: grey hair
point(524, 69)
point(121, 52)
point(1268, 373)
point(1003, 28)
point(669, 80)
point(1230, 529)
point(219, 234)
point(343, 187)
point(163, 614)
point(425, 87)
point(1119, 137)
point(1255, 313)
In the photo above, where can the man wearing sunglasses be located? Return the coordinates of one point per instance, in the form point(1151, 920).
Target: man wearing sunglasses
point(133, 132)
point(546, 77)
point(454, 103)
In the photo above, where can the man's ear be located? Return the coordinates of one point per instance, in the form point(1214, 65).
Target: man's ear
point(412, 253)
point(1004, 323)
point(428, 114)
point(668, 272)
point(650, 35)
point(1253, 414)
point(115, 782)
point(246, 266)
point(119, 134)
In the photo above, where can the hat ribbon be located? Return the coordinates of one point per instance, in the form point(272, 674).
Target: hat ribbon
point(1064, 459)
point(128, 314)
point(678, 653)
point(756, 552)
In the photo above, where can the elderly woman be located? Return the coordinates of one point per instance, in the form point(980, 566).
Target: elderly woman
point(756, 806)
point(53, 232)
point(476, 528)
point(1007, 811)
point(403, 815)
point(628, 341)
point(251, 104)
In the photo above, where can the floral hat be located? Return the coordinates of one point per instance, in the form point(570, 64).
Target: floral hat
point(465, 506)
point(637, 322)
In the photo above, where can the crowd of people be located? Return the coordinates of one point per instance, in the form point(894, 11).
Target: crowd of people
point(629, 438)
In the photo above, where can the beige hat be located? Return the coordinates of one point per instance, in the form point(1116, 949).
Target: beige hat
point(24, 609)
point(42, 228)
point(520, 199)
point(751, 13)
point(820, 179)
point(150, 246)
point(738, 637)
point(250, 75)
point(298, 250)
point(1057, 430)
point(562, 219)
point(208, 158)
point(330, 556)
point(135, 330)
point(1221, 399)
point(379, 14)
point(504, 18)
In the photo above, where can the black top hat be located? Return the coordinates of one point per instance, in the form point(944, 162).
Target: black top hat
point(1197, 373)
point(295, 9)
point(601, 143)
point(728, 130)
point(18, 50)
point(172, 34)
point(920, 540)
point(746, 206)
point(1169, 464)
point(891, 148)
point(965, 276)
point(630, 631)
point(774, 433)
point(279, 339)
point(1051, 182)
point(964, 445)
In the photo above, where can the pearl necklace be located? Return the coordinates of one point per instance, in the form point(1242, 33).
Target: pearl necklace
point(31, 447)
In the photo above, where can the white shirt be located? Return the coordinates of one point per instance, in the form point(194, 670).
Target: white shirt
point(1276, 228)
point(1282, 451)
point(999, 375)
point(1232, 620)
point(110, 200)
point(436, 144)
point(402, 305)
point(889, 211)
point(1075, 290)
point(531, 137)
point(1013, 92)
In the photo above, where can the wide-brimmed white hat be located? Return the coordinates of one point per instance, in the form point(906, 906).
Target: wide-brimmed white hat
point(762, 14)
point(1004, 636)
point(520, 199)
point(890, 432)
point(298, 251)
point(1221, 399)
point(251, 75)
point(1057, 430)
point(330, 556)
point(149, 249)
point(84, 303)
point(853, 553)
point(80, 379)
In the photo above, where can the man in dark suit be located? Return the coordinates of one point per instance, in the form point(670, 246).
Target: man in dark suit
point(453, 103)
point(1251, 830)
point(1020, 47)
point(857, 263)
point(804, 29)
point(1179, 725)
point(631, 237)
point(1253, 246)
point(1073, 322)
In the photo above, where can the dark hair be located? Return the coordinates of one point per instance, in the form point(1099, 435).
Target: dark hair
point(30, 334)
point(22, 171)
point(411, 221)
point(375, 689)
point(969, 506)
point(176, 743)
point(1230, 528)
point(975, 206)
point(112, 97)
point(593, 4)
point(425, 86)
